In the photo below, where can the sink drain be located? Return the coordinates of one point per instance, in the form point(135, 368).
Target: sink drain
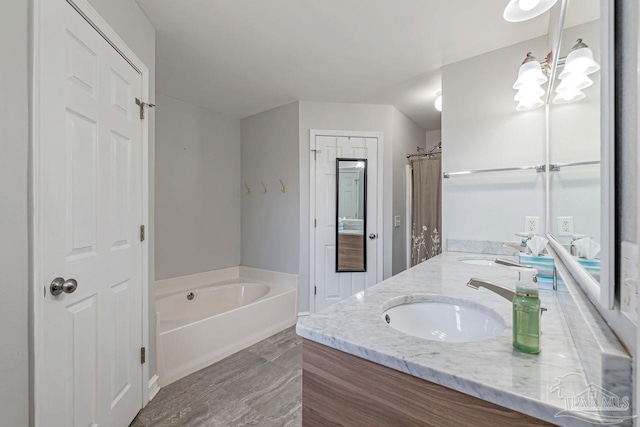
point(387, 318)
point(191, 296)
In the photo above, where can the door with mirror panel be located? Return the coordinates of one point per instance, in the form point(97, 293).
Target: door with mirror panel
point(345, 218)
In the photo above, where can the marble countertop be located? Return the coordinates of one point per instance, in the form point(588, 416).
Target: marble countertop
point(490, 370)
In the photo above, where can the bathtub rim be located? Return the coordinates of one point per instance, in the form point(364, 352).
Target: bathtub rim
point(274, 292)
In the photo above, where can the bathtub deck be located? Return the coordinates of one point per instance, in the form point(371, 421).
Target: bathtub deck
point(259, 386)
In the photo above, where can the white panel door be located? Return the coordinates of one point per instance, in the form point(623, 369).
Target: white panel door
point(91, 200)
point(331, 286)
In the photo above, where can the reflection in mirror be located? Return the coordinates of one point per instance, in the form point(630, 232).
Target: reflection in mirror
point(575, 145)
point(351, 215)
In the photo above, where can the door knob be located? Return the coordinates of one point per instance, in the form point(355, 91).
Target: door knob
point(59, 285)
point(373, 236)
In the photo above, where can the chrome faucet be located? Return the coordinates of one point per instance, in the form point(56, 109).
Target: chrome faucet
point(504, 292)
point(517, 246)
point(509, 263)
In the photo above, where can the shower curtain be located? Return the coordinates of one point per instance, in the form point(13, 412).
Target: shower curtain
point(427, 208)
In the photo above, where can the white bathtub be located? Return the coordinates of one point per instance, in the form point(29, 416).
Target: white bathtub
point(201, 324)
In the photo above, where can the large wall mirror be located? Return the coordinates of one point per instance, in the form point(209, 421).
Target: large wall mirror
point(579, 142)
point(527, 147)
point(351, 215)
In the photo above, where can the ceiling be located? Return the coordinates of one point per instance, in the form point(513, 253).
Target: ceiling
point(241, 57)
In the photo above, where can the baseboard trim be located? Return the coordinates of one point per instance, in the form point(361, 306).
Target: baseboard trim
point(153, 387)
point(303, 314)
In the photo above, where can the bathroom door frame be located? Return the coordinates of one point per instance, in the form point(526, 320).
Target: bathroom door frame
point(313, 133)
point(86, 11)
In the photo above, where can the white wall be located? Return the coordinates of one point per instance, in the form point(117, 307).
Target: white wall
point(14, 256)
point(197, 192)
point(432, 137)
point(405, 138)
point(481, 129)
point(270, 222)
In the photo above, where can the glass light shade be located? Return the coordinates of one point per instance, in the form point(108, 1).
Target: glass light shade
point(579, 61)
point(529, 92)
point(438, 102)
point(530, 73)
point(523, 10)
point(528, 4)
point(574, 82)
point(568, 96)
point(529, 104)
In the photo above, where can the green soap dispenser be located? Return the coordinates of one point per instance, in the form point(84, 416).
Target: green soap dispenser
point(526, 313)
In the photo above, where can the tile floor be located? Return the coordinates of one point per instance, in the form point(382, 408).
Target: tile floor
point(258, 386)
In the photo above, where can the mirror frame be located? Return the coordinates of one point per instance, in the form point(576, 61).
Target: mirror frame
point(364, 217)
point(602, 293)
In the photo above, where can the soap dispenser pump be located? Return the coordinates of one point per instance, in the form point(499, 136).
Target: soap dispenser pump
point(526, 313)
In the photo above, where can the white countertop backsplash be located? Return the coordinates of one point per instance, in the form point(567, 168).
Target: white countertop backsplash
point(491, 370)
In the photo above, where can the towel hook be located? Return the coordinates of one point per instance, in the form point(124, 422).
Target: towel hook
point(248, 190)
point(264, 188)
point(284, 188)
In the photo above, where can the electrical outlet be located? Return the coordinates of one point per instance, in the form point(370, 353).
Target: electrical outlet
point(565, 225)
point(396, 221)
point(532, 224)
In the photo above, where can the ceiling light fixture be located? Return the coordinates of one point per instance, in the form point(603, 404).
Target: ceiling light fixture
point(573, 78)
point(438, 101)
point(523, 10)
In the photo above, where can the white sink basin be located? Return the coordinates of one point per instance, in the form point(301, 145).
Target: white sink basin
point(478, 261)
point(440, 318)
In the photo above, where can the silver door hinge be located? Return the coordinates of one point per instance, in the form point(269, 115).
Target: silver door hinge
point(143, 355)
point(315, 153)
point(142, 236)
point(315, 223)
point(315, 290)
point(142, 105)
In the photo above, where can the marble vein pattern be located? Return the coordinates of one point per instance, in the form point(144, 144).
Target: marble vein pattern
point(490, 370)
point(479, 247)
point(258, 386)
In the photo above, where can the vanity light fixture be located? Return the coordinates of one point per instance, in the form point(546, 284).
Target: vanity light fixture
point(573, 78)
point(529, 84)
point(523, 10)
point(438, 101)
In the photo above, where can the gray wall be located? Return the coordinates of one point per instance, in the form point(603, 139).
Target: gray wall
point(270, 222)
point(481, 129)
point(406, 137)
point(197, 192)
point(14, 259)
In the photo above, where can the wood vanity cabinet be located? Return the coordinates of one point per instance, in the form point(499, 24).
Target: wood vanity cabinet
point(339, 389)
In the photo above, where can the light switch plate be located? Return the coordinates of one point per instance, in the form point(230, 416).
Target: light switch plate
point(396, 221)
point(532, 224)
point(565, 225)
